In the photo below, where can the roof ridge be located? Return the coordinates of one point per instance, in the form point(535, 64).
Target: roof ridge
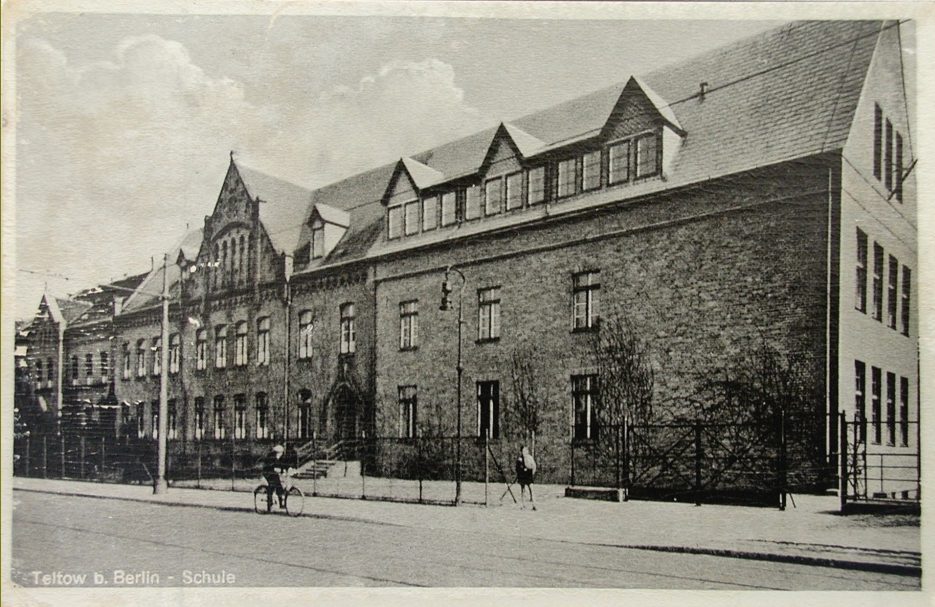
point(238, 165)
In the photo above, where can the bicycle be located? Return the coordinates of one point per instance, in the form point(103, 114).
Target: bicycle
point(293, 500)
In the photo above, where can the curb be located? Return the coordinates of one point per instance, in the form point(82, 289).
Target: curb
point(813, 561)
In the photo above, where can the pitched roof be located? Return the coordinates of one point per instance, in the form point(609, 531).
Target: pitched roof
point(527, 144)
point(333, 215)
point(787, 93)
point(283, 207)
point(101, 298)
point(148, 289)
point(422, 175)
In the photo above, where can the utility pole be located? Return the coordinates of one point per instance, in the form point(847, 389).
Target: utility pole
point(161, 485)
point(445, 306)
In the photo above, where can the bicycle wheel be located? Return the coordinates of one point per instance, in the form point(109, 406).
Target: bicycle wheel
point(295, 501)
point(260, 501)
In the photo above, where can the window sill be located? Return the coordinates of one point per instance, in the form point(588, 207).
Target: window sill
point(409, 349)
point(487, 340)
point(591, 329)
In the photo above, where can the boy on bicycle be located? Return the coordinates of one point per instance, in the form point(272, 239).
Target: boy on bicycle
point(273, 465)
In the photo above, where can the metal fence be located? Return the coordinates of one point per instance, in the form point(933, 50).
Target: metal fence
point(880, 461)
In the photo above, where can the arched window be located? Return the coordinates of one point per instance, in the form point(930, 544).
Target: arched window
point(262, 415)
point(223, 269)
point(305, 334)
point(201, 349)
point(175, 344)
point(157, 355)
point(216, 270)
point(262, 341)
point(220, 346)
point(242, 274)
point(240, 344)
point(240, 416)
point(220, 430)
point(199, 417)
point(141, 357)
point(234, 268)
point(348, 333)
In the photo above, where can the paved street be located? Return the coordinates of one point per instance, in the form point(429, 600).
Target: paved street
point(155, 544)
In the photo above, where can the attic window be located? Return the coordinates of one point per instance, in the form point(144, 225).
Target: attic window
point(647, 163)
point(302, 255)
point(318, 239)
point(394, 220)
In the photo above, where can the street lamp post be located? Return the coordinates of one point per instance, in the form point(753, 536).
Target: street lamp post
point(161, 484)
point(445, 306)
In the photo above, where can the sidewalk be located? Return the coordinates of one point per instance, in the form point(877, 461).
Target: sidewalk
point(812, 533)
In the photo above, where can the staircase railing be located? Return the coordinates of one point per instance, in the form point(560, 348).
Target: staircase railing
point(312, 450)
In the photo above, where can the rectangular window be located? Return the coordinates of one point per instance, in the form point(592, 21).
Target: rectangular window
point(172, 422)
point(907, 286)
point(536, 185)
point(493, 196)
point(174, 353)
point(240, 416)
point(262, 415)
point(860, 398)
point(88, 365)
point(875, 394)
point(140, 421)
point(348, 333)
point(585, 289)
point(154, 419)
point(890, 408)
point(408, 325)
point(157, 356)
point(488, 314)
point(140, 358)
point(877, 141)
point(619, 162)
point(449, 208)
point(318, 239)
point(305, 334)
point(584, 399)
point(488, 409)
point(472, 202)
point(407, 411)
point(262, 341)
point(199, 418)
point(50, 368)
point(898, 176)
point(861, 279)
point(514, 191)
point(891, 292)
point(412, 217)
point(888, 156)
point(394, 220)
point(877, 282)
point(904, 411)
point(201, 349)
point(591, 170)
point(240, 344)
point(646, 161)
point(567, 177)
point(127, 365)
point(429, 213)
point(220, 430)
point(105, 365)
point(220, 347)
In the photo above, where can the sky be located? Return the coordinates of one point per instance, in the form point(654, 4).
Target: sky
point(125, 122)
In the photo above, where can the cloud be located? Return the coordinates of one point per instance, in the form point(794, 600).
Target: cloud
point(114, 157)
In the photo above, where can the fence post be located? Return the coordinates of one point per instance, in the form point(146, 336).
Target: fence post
point(617, 457)
point(421, 460)
point(626, 457)
point(572, 461)
point(27, 455)
point(698, 455)
point(843, 475)
point(783, 463)
point(315, 464)
point(233, 465)
point(103, 458)
point(486, 471)
point(198, 482)
point(45, 457)
point(81, 466)
point(63, 456)
point(363, 477)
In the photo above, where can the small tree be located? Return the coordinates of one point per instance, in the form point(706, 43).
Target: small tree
point(525, 410)
point(626, 380)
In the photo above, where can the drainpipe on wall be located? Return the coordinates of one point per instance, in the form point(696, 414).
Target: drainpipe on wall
point(287, 358)
point(59, 377)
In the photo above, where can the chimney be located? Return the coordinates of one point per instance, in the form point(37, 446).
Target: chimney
point(702, 90)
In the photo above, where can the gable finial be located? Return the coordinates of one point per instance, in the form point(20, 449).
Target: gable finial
point(232, 155)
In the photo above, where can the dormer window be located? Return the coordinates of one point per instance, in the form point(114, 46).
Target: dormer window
point(318, 240)
point(514, 191)
point(566, 177)
point(619, 162)
point(394, 222)
point(646, 158)
point(472, 202)
point(591, 170)
point(412, 218)
point(493, 192)
point(449, 208)
point(536, 185)
point(429, 213)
